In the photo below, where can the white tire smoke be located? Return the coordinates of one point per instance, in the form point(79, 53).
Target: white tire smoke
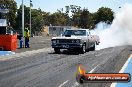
point(120, 31)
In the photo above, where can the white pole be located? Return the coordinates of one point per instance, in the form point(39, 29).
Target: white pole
point(22, 19)
point(30, 19)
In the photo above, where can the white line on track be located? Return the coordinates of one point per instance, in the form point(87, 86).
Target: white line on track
point(122, 70)
point(63, 83)
point(93, 69)
point(75, 84)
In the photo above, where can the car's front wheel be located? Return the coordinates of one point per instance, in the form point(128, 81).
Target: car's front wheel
point(57, 50)
point(83, 48)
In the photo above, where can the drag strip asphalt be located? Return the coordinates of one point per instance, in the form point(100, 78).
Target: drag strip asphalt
point(47, 69)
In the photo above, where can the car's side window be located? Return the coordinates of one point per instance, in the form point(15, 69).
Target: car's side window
point(88, 33)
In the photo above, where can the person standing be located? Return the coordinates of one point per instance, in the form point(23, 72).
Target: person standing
point(27, 36)
point(20, 41)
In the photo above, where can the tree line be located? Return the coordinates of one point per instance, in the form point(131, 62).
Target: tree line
point(69, 16)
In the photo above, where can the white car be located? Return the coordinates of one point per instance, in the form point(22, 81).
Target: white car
point(76, 39)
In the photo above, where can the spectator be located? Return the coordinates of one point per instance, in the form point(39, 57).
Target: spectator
point(27, 36)
point(20, 41)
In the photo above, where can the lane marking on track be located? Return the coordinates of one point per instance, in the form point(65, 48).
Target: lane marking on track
point(75, 84)
point(6, 53)
point(125, 65)
point(93, 69)
point(123, 69)
point(63, 83)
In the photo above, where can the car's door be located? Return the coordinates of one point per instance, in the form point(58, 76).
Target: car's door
point(91, 39)
point(88, 39)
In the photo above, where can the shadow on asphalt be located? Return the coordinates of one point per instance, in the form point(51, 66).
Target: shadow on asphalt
point(67, 52)
point(130, 50)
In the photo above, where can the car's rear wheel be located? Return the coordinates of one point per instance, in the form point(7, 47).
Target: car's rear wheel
point(97, 42)
point(93, 48)
point(57, 50)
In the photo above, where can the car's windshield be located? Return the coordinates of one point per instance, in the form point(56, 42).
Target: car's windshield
point(75, 32)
